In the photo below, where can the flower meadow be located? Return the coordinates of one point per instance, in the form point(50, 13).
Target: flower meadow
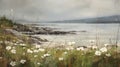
point(17, 54)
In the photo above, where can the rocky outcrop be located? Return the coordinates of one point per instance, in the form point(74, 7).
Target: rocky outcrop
point(21, 27)
point(25, 38)
point(55, 32)
point(30, 30)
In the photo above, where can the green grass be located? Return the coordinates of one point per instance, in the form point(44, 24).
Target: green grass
point(72, 58)
point(6, 23)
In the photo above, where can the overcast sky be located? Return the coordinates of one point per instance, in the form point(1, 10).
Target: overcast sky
point(47, 10)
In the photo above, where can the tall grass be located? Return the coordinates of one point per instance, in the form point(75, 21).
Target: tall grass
point(43, 57)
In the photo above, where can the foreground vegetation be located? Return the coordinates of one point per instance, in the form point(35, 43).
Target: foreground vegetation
point(15, 53)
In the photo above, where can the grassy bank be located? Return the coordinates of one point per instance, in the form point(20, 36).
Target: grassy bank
point(17, 54)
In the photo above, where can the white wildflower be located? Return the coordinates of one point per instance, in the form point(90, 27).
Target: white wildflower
point(42, 56)
point(69, 48)
point(15, 44)
point(22, 44)
point(46, 55)
point(41, 49)
point(12, 63)
point(13, 47)
point(94, 47)
point(22, 61)
point(65, 52)
point(71, 43)
point(104, 49)
point(98, 53)
point(38, 63)
point(29, 51)
point(106, 45)
point(8, 47)
point(60, 59)
point(108, 55)
point(80, 48)
point(37, 46)
point(35, 51)
point(13, 51)
point(24, 47)
point(35, 55)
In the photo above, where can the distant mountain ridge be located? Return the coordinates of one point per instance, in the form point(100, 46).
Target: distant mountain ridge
point(106, 19)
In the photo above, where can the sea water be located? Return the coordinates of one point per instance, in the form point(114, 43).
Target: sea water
point(85, 32)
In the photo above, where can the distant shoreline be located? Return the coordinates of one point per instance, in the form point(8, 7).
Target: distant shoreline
point(71, 22)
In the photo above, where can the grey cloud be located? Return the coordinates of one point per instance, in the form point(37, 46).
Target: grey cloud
point(58, 9)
